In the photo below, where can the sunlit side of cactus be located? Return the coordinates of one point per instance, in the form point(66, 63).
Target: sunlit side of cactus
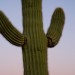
point(34, 41)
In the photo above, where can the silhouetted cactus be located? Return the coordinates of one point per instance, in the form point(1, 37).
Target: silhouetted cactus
point(33, 41)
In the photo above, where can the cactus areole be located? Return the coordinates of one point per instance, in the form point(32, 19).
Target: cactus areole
point(34, 41)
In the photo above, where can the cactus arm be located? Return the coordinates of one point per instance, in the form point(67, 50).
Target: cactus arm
point(9, 31)
point(55, 30)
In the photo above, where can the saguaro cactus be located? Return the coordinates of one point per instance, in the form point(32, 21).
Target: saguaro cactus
point(34, 41)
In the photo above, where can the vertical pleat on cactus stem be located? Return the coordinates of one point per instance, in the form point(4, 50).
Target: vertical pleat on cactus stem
point(34, 53)
point(34, 41)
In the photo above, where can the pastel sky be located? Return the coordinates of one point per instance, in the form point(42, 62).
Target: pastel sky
point(61, 59)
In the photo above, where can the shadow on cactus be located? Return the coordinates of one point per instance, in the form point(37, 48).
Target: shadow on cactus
point(34, 41)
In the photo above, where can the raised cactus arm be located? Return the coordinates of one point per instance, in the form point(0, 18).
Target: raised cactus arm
point(9, 31)
point(55, 30)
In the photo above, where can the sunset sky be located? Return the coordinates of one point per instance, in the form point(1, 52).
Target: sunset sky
point(61, 59)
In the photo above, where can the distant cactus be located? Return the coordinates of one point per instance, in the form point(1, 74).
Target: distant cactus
point(34, 41)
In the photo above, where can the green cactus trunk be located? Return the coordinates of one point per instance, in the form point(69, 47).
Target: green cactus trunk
point(34, 41)
point(35, 52)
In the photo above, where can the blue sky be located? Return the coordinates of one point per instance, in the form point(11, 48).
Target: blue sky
point(61, 59)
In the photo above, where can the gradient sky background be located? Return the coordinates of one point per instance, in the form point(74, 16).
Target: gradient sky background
point(61, 59)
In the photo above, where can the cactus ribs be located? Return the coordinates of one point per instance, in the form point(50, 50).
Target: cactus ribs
point(34, 41)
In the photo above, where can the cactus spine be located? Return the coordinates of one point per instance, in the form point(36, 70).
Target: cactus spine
point(33, 41)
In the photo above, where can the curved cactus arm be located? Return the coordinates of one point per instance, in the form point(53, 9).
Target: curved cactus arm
point(55, 30)
point(9, 31)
